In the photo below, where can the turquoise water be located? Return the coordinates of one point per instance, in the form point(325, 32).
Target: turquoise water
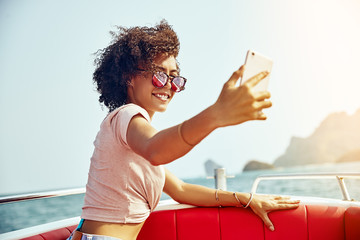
point(30, 213)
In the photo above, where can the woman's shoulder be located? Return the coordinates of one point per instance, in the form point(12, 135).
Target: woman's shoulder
point(128, 110)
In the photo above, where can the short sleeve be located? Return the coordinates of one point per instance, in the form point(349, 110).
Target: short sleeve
point(123, 118)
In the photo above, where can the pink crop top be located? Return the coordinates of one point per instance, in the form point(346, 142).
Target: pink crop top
point(122, 186)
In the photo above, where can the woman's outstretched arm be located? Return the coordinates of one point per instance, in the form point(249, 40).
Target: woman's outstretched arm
point(198, 195)
point(235, 105)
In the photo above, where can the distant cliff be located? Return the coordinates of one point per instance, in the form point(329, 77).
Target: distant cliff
point(351, 156)
point(257, 165)
point(337, 135)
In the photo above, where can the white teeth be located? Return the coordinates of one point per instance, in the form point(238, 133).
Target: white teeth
point(162, 96)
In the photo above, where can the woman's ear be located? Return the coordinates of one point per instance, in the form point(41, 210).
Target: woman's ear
point(130, 87)
point(130, 83)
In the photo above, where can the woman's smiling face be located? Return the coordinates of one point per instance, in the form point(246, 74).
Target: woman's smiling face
point(142, 92)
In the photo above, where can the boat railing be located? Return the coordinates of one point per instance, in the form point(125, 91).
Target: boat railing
point(38, 195)
point(339, 177)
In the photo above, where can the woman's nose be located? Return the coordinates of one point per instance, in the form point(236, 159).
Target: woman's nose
point(168, 84)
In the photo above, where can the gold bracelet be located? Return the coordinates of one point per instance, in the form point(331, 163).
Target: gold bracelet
point(181, 136)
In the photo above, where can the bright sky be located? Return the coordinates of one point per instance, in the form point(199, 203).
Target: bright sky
point(49, 109)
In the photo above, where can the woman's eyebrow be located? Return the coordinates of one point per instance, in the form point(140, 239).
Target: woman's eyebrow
point(175, 71)
point(164, 69)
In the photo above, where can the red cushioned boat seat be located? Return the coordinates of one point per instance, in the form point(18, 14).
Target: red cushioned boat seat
point(352, 223)
point(307, 222)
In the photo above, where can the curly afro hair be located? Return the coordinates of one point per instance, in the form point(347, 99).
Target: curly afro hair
point(130, 49)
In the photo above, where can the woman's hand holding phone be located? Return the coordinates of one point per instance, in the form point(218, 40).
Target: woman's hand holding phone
point(237, 104)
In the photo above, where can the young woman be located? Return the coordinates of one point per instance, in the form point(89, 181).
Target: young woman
point(136, 76)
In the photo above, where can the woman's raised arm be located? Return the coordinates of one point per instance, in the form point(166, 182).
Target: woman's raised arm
point(235, 105)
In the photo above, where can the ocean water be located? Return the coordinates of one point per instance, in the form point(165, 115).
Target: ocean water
point(14, 216)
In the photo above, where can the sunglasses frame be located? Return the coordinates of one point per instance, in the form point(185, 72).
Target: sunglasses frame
point(169, 79)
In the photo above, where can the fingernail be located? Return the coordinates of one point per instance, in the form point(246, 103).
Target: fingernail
point(272, 228)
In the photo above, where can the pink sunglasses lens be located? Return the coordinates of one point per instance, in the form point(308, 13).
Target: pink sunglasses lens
point(157, 81)
point(177, 84)
point(175, 88)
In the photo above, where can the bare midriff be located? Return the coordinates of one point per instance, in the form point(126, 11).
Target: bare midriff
point(124, 231)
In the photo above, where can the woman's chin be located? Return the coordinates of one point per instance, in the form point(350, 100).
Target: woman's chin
point(162, 109)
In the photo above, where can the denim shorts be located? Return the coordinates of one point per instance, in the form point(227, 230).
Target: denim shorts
point(77, 235)
point(86, 236)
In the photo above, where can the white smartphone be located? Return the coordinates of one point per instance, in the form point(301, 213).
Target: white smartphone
point(256, 63)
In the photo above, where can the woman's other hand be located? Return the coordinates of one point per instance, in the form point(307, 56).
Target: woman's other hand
point(261, 205)
point(238, 104)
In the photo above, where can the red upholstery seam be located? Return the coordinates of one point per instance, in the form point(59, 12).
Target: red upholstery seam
point(263, 229)
point(219, 219)
point(344, 227)
point(307, 222)
point(42, 236)
point(176, 226)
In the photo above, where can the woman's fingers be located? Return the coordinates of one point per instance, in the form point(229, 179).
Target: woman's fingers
point(281, 198)
point(237, 104)
point(285, 200)
point(285, 203)
point(288, 201)
point(258, 106)
point(259, 102)
point(264, 216)
point(256, 79)
point(264, 204)
point(286, 206)
point(261, 96)
point(259, 115)
point(235, 76)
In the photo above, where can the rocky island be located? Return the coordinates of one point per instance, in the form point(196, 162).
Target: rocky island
point(257, 165)
point(337, 137)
